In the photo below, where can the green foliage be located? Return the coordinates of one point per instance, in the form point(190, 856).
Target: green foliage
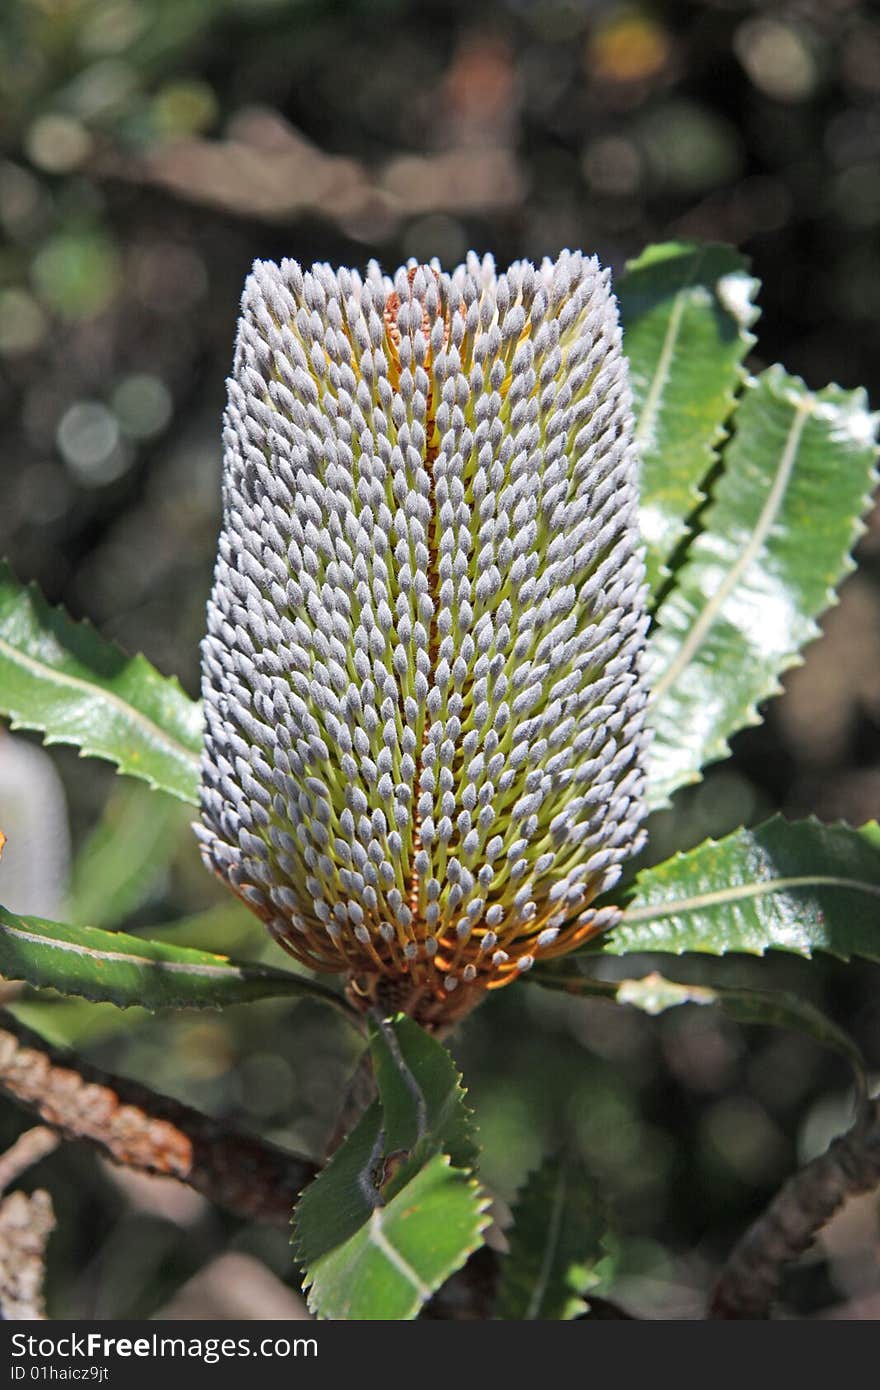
point(62, 678)
point(777, 538)
point(686, 312)
point(111, 967)
point(786, 886)
point(737, 585)
point(423, 1101)
point(401, 1251)
point(396, 1210)
point(556, 1245)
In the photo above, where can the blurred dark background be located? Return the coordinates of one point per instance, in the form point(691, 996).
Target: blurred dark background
point(149, 151)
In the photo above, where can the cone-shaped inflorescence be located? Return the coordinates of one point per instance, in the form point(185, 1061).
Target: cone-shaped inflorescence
point(423, 669)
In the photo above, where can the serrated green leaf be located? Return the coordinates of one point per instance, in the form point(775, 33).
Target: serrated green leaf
point(686, 312)
point(556, 1245)
point(62, 678)
point(654, 994)
point(776, 540)
point(404, 1250)
point(786, 886)
point(114, 968)
point(392, 1216)
point(125, 855)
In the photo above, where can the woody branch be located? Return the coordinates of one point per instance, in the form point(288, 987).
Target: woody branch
point(751, 1277)
point(139, 1128)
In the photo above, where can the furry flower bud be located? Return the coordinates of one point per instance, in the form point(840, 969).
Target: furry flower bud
point(422, 674)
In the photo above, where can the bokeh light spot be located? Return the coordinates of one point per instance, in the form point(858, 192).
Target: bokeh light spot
point(627, 47)
point(114, 25)
point(57, 143)
point(89, 441)
point(777, 58)
point(142, 405)
point(183, 108)
point(76, 273)
point(22, 322)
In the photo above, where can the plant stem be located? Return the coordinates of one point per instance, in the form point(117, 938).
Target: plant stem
point(750, 1279)
point(28, 1149)
point(142, 1129)
point(26, 1222)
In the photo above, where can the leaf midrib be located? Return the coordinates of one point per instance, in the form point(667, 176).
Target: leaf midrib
point(134, 715)
point(376, 1237)
point(225, 972)
point(406, 1075)
point(651, 912)
point(551, 1245)
point(651, 406)
point(697, 635)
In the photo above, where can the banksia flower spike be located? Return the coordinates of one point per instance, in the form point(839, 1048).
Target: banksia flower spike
point(422, 674)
